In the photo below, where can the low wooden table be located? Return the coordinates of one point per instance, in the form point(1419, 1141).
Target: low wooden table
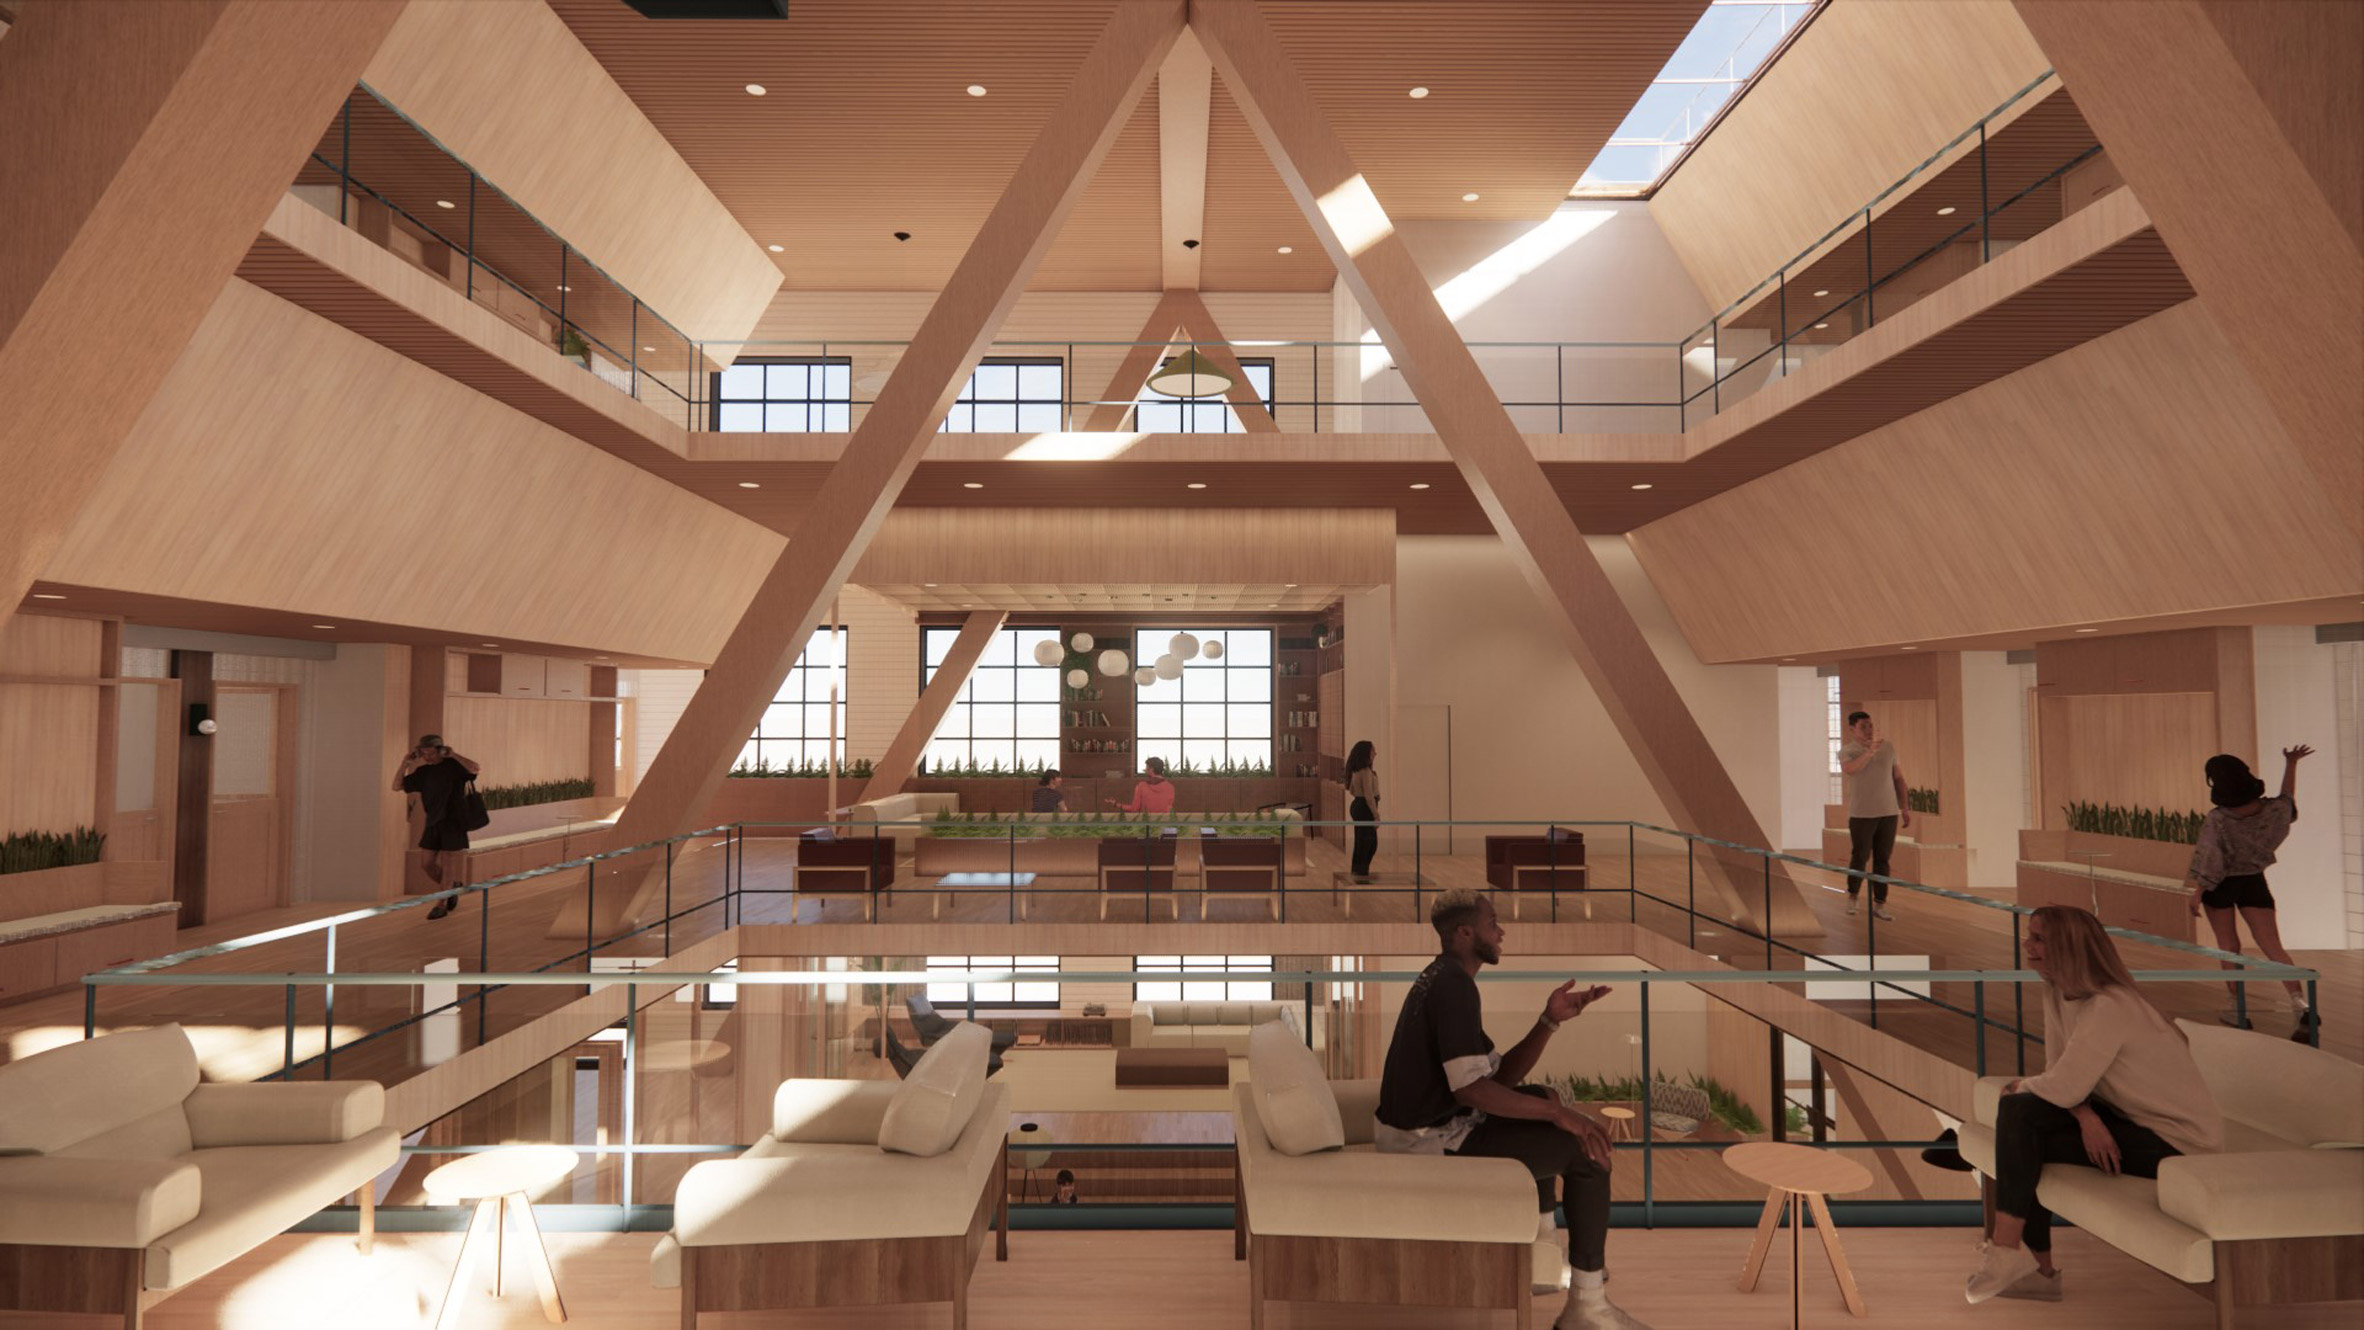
point(499, 1182)
point(1798, 1176)
point(1144, 1067)
point(981, 882)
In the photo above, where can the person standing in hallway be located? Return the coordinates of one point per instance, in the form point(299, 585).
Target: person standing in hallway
point(1874, 784)
point(2236, 846)
point(1362, 790)
point(437, 776)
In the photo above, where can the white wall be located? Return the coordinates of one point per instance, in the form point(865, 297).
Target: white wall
point(2347, 666)
point(2296, 704)
point(1805, 756)
point(342, 745)
point(1994, 764)
point(1530, 739)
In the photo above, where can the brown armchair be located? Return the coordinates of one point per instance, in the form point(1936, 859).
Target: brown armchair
point(1551, 863)
point(1250, 867)
point(829, 865)
point(1139, 865)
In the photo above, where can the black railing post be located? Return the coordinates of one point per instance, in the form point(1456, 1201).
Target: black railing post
point(1870, 315)
point(1781, 306)
point(669, 898)
point(1682, 393)
point(590, 915)
point(287, 1058)
point(1691, 887)
point(562, 292)
point(631, 1062)
point(1559, 385)
point(345, 162)
point(1871, 934)
point(1986, 244)
point(483, 947)
point(89, 1010)
point(1978, 1008)
point(471, 281)
point(328, 1012)
point(1715, 364)
point(1649, 1132)
point(1765, 920)
point(2018, 998)
point(2314, 1031)
point(635, 348)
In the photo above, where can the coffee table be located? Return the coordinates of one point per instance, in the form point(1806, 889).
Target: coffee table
point(493, 1180)
point(1146, 1067)
point(981, 882)
point(1798, 1176)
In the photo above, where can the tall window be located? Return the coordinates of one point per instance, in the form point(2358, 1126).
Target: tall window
point(1723, 53)
point(953, 995)
point(1837, 715)
point(785, 395)
point(1011, 395)
point(1157, 413)
point(1007, 711)
point(795, 727)
point(1224, 982)
point(1219, 711)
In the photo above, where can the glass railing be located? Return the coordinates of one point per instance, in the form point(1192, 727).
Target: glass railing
point(378, 173)
point(1230, 868)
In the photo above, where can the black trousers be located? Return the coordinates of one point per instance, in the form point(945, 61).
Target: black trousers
point(2031, 1131)
point(1872, 838)
point(1551, 1153)
point(1366, 835)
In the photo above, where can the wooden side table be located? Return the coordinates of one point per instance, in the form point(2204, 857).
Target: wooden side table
point(1620, 1123)
point(1795, 1177)
point(493, 1180)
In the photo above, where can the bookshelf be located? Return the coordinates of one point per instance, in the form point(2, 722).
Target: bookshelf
point(1096, 721)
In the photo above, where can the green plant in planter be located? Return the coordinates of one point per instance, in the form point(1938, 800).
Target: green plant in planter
point(33, 851)
point(1921, 801)
point(2158, 824)
point(534, 792)
point(572, 346)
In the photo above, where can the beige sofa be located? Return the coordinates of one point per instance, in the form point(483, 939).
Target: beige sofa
point(908, 810)
point(2278, 1217)
point(1325, 1218)
point(1224, 1025)
point(863, 1193)
point(124, 1179)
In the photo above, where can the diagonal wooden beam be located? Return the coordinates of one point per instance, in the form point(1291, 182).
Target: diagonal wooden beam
point(1207, 335)
point(887, 447)
point(1185, 105)
point(189, 115)
point(902, 756)
point(1132, 373)
point(1842, 1079)
point(1488, 450)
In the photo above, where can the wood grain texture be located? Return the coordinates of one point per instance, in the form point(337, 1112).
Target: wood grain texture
point(2168, 488)
point(1140, 360)
point(1131, 547)
point(1797, 154)
point(235, 489)
point(2189, 95)
point(512, 92)
point(521, 740)
point(1491, 455)
point(854, 501)
point(902, 755)
point(1185, 89)
point(120, 114)
point(49, 732)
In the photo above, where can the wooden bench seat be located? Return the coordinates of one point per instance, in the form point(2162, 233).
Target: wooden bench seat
point(48, 952)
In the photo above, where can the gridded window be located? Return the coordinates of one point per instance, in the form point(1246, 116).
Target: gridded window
point(795, 727)
point(785, 396)
point(1838, 736)
point(1219, 711)
point(1224, 983)
point(1010, 396)
point(953, 995)
point(1007, 711)
point(1156, 413)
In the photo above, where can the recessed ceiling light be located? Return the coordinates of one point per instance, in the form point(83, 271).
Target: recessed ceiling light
point(1469, 198)
point(976, 90)
point(564, 287)
point(1288, 249)
point(2088, 630)
point(650, 349)
point(445, 203)
point(1789, 657)
point(1418, 93)
point(756, 90)
point(1911, 648)
point(599, 658)
point(777, 249)
point(489, 644)
point(1822, 325)
point(927, 584)
point(1945, 212)
point(749, 485)
point(972, 484)
point(1196, 485)
point(1822, 293)
point(1290, 585)
point(1420, 485)
point(47, 595)
point(324, 625)
point(1643, 486)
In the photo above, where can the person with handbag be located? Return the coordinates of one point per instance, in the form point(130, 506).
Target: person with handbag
point(443, 782)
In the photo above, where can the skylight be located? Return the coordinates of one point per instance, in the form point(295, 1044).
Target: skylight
point(1724, 51)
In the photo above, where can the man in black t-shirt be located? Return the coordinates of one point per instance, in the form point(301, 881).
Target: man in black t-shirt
point(1444, 1090)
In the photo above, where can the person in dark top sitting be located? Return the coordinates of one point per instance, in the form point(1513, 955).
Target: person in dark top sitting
point(1063, 1189)
point(437, 775)
point(1048, 797)
point(1444, 1090)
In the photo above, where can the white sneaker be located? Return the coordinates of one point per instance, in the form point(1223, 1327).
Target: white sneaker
point(1551, 1267)
point(1854, 906)
point(1881, 912)
point(1998, 1269)
point(2035, 1286)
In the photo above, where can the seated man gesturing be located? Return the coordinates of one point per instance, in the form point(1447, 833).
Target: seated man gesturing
point(1444, 1090)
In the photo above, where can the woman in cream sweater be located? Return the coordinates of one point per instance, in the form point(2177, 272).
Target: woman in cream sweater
point(2119, 1092)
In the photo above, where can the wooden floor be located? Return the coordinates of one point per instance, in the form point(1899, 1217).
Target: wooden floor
point(1675, 1279)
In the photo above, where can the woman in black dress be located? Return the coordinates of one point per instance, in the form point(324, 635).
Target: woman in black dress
point(437, 775)
point(1362, 787)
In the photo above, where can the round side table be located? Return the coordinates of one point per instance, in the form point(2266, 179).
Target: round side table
point(1620, 1123)
point(499, 1181)
point(1797, 1177)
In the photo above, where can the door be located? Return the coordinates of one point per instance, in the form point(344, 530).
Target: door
point(247, 838)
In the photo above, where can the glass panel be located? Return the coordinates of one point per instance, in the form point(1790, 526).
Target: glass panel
point(1038, 685)
point(1038, 418)
point(742, 381)
point(991, 685)
point(1161, 720)
point(1202, 685)
point(1002, 650)
point(1248, 685)
point(738, 418)
point(1248, 649)
point(992, 720)
point(996, 418)
point(1039, 383)
point(993, 383)
point(1039, 721)
point(936, 643)
point(1250, 721)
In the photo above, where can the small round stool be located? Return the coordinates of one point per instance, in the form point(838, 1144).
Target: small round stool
point(1620, 1123)
point(493, 1180)
point(1796, 1177)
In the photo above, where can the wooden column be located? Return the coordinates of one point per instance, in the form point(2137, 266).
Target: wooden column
point(886, 448)
point(110, 734)
point(2190, 96)
point(1489, 451)
point(2236, 699)
point(148, 140)
point(1951, 775)
point(193, 802)
point(903, 754)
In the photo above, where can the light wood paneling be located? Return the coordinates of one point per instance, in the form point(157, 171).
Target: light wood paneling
point(122, 114)
point(2189, 95)
point(2134, 750)
point(512, 92)
point(1143, 546)
point(245, 857)
point(1797, 154)
point(520, 739)
point(237, 487)
point(49, 733)
point(2166, 487)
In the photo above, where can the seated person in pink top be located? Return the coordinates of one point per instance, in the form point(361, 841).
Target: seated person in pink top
point(1154, 796)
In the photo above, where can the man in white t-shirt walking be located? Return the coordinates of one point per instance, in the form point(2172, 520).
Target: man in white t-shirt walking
point(1875, 806)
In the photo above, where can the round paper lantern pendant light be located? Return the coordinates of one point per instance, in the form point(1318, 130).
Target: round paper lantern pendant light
point(1184, 646)
point(1190, 375)
point(1145, 676)
point(1212, 651)
point(1080, 643)
point(1112, 662)
point(1169, 667)
point(1078, 678)
point(1048, 653)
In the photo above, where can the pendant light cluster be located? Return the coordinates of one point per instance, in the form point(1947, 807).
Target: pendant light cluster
point(1181, 648)
point(1076, 655)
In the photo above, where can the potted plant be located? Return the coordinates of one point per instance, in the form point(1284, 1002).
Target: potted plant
point(573, 347)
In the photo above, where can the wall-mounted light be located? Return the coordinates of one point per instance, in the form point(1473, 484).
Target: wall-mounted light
point(199, 721)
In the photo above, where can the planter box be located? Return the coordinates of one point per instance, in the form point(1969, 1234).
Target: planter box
point(50, 890)
point(1062, 856)
point(2126, 854)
